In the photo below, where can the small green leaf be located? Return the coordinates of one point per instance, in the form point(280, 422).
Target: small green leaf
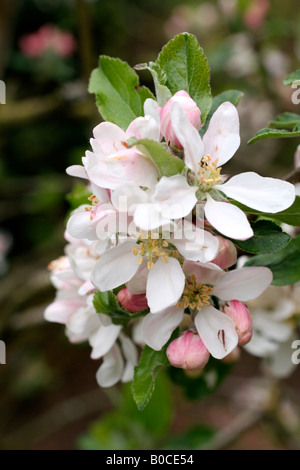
point(151, 363)
point(166, 163)
point(285, 121)
point(195, 438)
point(118, 95)
point(233, 96)
point(268, 238)
point(107, 303)
point(185, 67)
point(268, 133)
point(284, 265)
point(292, 78)
point(162, 92)
point(290, 216)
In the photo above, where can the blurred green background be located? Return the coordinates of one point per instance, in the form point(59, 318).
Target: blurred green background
point(49, 396)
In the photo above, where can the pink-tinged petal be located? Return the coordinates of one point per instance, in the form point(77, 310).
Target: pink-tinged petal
point(149, 216)
point(227, 219)
point(222, 138)
point(83, 223)
point(194, 243)
point(152, 109)
point(103, 339)
point(115, 267)
point(60, 310)
point(101, 193)
point(206, 273)
point(217, 332)
point(243, 284)
point(77, 170)
point(109, 137)
point(143, 128)
point(137, 285)
point(111, 370)
point(165, 284)
point(258, 192)
point(188, 136)
point(175, 196)
point(158, 328)
point(127, 196)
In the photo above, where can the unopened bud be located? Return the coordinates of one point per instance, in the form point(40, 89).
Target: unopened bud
point(241, 317)
point(227, 253)
point(132, 302)
point(188, 352)
point(192, 111)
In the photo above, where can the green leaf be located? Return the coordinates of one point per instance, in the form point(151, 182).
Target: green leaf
point(233, 96)
point(118, 95)
point(268, 238)
point(151, 363)
point(107, 303)
point(185, 66)
point(166, 163)
point(292, 78)
point(268, 133)
point(290, 216)
point(285, 121)
point(284, 265)
point(162, 92)
point(206, 383)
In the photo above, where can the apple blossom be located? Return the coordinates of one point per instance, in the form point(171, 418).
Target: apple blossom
point(188, 352)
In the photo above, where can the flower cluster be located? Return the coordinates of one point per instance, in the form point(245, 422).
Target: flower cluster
point(162, 242)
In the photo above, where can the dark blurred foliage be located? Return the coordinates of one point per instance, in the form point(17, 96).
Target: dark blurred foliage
point(48, 386)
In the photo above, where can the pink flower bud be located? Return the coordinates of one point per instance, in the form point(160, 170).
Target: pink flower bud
point(227, 254)
point(191, 109)
point(132, 302)
point(188, 352)
point(241, 317)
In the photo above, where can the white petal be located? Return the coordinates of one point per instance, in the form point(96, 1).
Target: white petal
point(77, 170)
point(175, 196)
point(217, 332)
point(127, 196)
point(130, 353)
point(137, 285)
point(227, 219)
point(195, 244)
point(151, 108)
point(149, 216)
point(158, 328)
point(265, 324)
point(144, 128)
point(115, 267)
point(109, 137)
point(222, 138)
point(165, 284)
point(261, 193)
point(259, 346)
point(243, 284)
point(103, 339)
point(206, 273)
point(110, 371)
point(188, 136)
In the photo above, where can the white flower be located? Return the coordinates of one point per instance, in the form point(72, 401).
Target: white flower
point(112, 163)
point(215, 328)
point(203, 158)
point(165, 278)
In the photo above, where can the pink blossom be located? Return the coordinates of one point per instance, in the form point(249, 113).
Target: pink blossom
point(47, 38)
point(191, 110)
point(188, 352)
point(132, 302)
point(256, 13)
point(227, 254)
point(241, 317)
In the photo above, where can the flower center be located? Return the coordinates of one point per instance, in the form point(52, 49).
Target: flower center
point(195, 295)
point(152, 249)
point(208, 174)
